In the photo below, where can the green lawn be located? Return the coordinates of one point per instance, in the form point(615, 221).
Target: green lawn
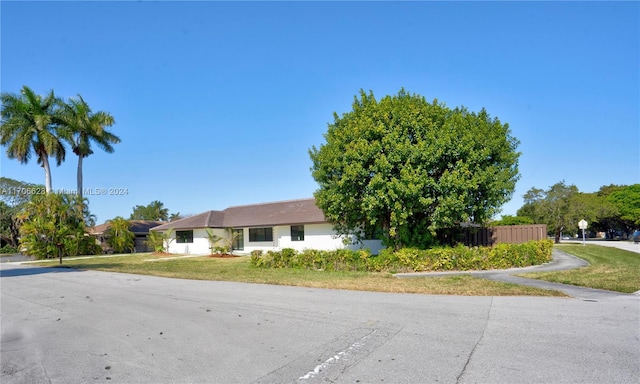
point(238, 269)
point(611, 269)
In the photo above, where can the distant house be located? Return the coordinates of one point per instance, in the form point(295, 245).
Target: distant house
point(297, 224)
point(140, 229)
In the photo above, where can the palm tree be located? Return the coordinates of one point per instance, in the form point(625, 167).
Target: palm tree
point(159, 211)
point(154, 211)
point(28, 127)
point(81, 127)
point(119, 236)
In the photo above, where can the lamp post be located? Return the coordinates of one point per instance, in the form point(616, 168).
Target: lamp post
point(582, 224)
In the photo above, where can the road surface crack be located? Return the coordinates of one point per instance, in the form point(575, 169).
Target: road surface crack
point(473, 350)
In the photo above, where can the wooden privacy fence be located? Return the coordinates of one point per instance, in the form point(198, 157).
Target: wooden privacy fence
point(513, 234)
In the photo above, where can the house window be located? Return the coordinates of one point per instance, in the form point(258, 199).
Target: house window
point(297, 233)
point(260, 234)
point(238, 239)
point(184, 236)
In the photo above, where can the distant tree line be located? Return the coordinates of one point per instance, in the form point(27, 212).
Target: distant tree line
point(613, 209)
point(44, 225)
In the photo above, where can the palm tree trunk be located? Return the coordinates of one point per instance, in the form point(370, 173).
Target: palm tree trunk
point(47, 174)
point(79, 176)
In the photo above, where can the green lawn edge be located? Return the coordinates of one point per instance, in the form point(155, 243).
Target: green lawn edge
point(611, 269)
point(239, 270)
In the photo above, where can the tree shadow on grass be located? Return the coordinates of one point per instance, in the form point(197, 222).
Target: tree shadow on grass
point(16, 272)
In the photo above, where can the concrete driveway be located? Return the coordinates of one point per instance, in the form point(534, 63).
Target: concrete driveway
point(69, 326)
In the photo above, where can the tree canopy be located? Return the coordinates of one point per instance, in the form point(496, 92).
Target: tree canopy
point(553, 207)
point(154, 211)
point(34, 124)
point(28, 127)
point(413, 168)
point(14, 195)
point(613, 209)
point(119, 236)
point(623, 213)
point(55, 223)
point(80, 127)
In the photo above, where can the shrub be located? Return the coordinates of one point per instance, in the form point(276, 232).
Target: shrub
point(8, 249)
point(460, 257)
point(155, 241)
point(256, 258)
point(218, 250)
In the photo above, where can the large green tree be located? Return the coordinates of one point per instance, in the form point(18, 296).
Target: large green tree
point(561, 207)
point(154, 211)
point(416, 169)
point(82, 127)
point(55, 223)
point(28, 127)
point(625, 214)
point(14, 195)
point(552, 207)
point(613, 209)
point(9, 225)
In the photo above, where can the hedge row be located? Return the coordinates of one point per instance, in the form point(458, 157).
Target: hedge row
point(459, 258)
point(8, 249)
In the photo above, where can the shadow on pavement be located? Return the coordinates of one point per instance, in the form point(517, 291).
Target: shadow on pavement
point(35, 271)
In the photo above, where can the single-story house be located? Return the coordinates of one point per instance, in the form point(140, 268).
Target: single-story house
point(140, 229)
point(297, 224)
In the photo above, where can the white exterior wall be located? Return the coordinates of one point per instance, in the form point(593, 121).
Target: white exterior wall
point(316, 236)
point(200, 245)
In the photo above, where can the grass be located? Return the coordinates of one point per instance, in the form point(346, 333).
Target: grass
point(611, 269)
point(238, 269)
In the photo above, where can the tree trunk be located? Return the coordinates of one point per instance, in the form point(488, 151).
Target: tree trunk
point(47, 173)
point(79, 176)
point(557, 237)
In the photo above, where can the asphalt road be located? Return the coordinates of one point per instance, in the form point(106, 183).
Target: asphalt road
point(69, 326)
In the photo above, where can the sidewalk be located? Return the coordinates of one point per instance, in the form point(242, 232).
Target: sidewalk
point(561, 261)
point(620, 244)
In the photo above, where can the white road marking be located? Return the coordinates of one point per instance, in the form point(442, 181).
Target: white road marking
point(353, 347)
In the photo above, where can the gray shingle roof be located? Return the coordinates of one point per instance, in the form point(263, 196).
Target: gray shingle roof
point(139, 227)
point(208, 219)
point(303, 211)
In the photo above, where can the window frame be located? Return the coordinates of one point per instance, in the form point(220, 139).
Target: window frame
point(238, 237)
point(299, 229)
point(184, 237)
point(260, 234)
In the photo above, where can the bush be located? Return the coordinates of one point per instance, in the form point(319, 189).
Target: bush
point(256, 258)
point(461, 258)
point(8, 249)
point(155, 241)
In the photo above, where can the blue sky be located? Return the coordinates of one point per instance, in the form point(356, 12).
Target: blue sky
point(217, 103)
